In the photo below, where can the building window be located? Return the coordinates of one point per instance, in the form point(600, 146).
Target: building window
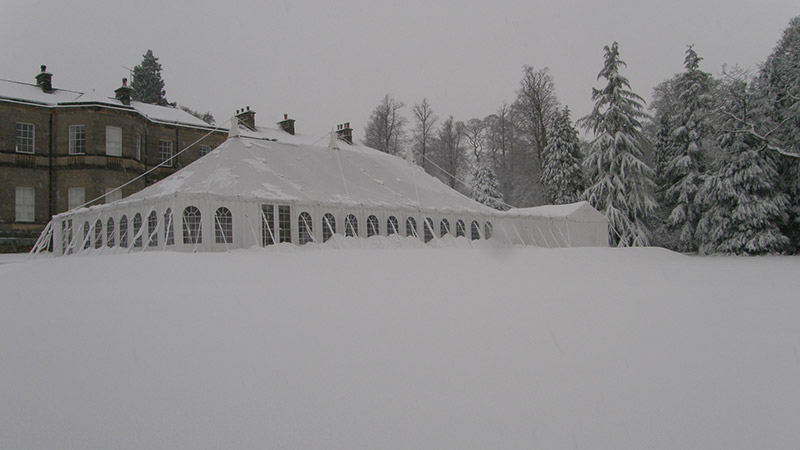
point(350, 226)
point(110, 232)
point(169, 229)
point(152, 229)
point(76, 197)
point(77, 139)
point(204, 150)
point(137, 228)
point(284, 223)
point(328, 226)
point(26, 134)
point(372, 226)
point(192, 230)
point(86, 236)
point(444, 227)
point(223, 229)
point(411, 227)
point(123, 232)
point(461, 228)
point(165, 153)
point(475, 231)
point(488, 230)
point(391, 225)
point(304, 228)
point(113, 194)
point(25, 204)
point(138, 147)
point(267, 225)
point(98, 234)
point(428, 229)
point(113, 141)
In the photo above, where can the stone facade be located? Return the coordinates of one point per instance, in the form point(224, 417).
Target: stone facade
point(53, 168)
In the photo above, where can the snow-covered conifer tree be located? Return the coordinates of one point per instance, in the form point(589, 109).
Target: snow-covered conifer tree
point(620, 183)
point(563, 173)
point(486, 189)
point(148, 87)
point(686, 167)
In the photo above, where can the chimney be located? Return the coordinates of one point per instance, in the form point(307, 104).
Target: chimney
point(344, 132)
point(287, 124)
point(247, 118)
point(123, 93)
point(45, 80)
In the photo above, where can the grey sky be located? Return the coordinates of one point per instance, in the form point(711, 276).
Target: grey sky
point(328, 62)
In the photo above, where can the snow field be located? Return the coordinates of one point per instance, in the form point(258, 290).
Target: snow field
point(358, 348)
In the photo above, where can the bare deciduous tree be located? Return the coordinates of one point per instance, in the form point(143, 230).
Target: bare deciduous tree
point(385, 129)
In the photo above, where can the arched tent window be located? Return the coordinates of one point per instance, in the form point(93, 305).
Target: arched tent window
point(411, 227)
point(461, 229)
point(488, 230)
point(304, 228)
point(152, 229)
point(391, 226)
point(372, 226)
point(123, 232)
point(137, 227)
point(98, 234)
point(444, 227)
point(223, 226)
point(86, 237)
point(350, 226)
point(328, 226)
point(428, 229)
point(169, 228)
point(475, 231)
point(192, 229)
point(110, 232)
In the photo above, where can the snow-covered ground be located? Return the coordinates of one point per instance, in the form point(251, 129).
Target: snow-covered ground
point(412, 348)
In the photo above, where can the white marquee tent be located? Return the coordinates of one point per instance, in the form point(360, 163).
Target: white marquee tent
point(270, 187)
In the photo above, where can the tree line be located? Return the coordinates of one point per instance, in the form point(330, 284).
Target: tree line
point(712, 166)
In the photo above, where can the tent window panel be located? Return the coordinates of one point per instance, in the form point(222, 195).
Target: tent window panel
point(110, 233)
point(152, 229)
point(444, 227)
point(328, 226)
point(223, 226)
point(85, 238)
point(411, 227)
point(304, 228)
point(98, 234)
point(391, 226)
point(461, 229)
point(169, 228)
point(284, 223)
point(123, 232)
point(192, 228)
point(351, 226)
point(475, 231)
point(69, 237)
point(267, 225)
point(488, 230)
point(372, 226)
point(428, 229)
point(137, 227)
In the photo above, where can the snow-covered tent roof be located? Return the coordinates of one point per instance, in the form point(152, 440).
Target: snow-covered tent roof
point(578, 212)
point(275, 170)
point(31, 93)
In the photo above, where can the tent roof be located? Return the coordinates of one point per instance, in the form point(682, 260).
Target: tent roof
point(582, 211)
point(285, 171)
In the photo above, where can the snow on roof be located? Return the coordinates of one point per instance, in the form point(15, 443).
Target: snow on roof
point(580, 210)
point(283, 171)
point(27, 92)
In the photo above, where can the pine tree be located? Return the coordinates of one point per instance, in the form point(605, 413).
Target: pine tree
point(684, 171)
point(148, 87)
point(620, 183)
point(744, 209)
point(486, 189)
point(563, 175)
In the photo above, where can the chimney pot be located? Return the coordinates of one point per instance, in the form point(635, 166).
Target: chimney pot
point(45, 80)
point(285, 116)
point(248, 108)
point(124, 81)
point(44, 68)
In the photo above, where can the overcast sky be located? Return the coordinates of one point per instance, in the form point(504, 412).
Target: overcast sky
point(325, 63)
